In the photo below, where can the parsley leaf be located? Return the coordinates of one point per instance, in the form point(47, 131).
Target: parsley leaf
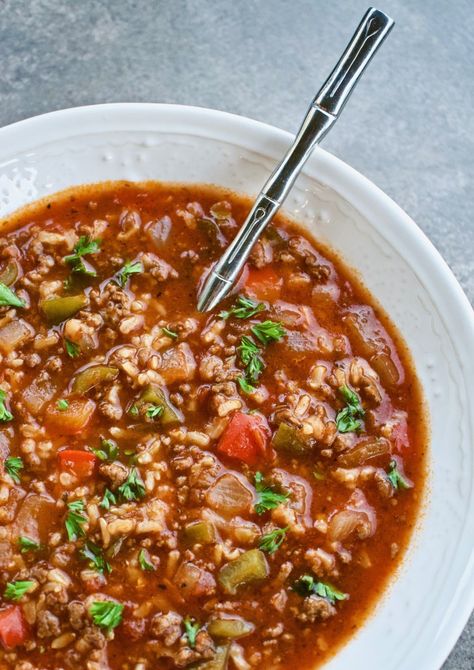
point(92, 553)
point(134, 411)
point(271, 542)
point(75, 520)
point(267, 498)
point(106, 613)
point(145, 561)
point(108, 451)
point(192, 628)
point(397, 478)
point(245, 386)
point(268, 331)
point(128, 269)
point(250, 356)
point(15, 590)
point(7, 297)
point(244, 308)
point(169, 333)
point(13, 465)
point(62, 405)
point(26, 544)
point(133, 488)
point(154, 411)
point(72, 349)
point(307, 586)
point(84, 247)
point(347, 419)
point(5, 414)
point(108, 499)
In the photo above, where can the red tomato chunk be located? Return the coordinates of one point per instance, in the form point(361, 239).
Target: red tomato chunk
point(246, 438)
point(13, 627)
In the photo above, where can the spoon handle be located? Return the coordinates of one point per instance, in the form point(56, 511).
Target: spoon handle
point(322, 114)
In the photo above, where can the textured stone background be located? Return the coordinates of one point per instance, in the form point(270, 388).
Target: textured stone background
point(409, 126)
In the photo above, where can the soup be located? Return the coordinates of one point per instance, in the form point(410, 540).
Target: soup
point(223, 490)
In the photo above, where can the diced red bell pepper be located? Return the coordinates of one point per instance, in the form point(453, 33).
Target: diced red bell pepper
point(71, 420)
point(263, 284)
point(246, 438)
point(13, 627)
point(81, 464)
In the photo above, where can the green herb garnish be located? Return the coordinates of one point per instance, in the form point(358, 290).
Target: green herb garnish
point(244, 308)
point(108, 450)
point(144, 561)
point(245, 386)
point(154, 411)
point(7, 297)
point(128, 269)
point(347, 419)
point(271, 542)
point(5, 414)
point(13, 466)
point(133, 488)
point(397, 479)
point(250, 356)
point(134, 411)
point(72, 349)
point(108, 499)
point(191, 628)
point(75, 520)
point(169, 333)
point(268, 331)
point(84, 247)
point(15, 590)
point(307, 586)
point(267, 498)
point(62, 405)
point(106, 613)
point(26, 544)
point(92, 553)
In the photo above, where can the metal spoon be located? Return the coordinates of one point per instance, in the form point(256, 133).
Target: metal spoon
point(321, 116)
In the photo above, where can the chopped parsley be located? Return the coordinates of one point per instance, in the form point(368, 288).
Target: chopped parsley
point(13, 466)
point(396, 478)
point(108, 499)
point(308, 586)
point(169, 333)
point(84, 247)
point(7, 297)
point(245, 386)
point(244, 308)
point(108, 450)
point(128, 269)
point(133, 488)
point(5, 414)
point(267, 498)
point(134, 411)
point(145, 561)
point(268, 331)
point(92, 553)
point(191, 628)
point(106, 613)
point(347, 419)
point(15, 590)
point(271, 542)
point(26, 544)
point(154, 411)
point(250, 357)
point(72, 349)
point(75, 520)
point(62, 405)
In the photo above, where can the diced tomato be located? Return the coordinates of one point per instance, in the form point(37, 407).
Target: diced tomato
point(81, 464)
point(71, 420)
point(246, 438)
point(13, 627)
point(263, 284)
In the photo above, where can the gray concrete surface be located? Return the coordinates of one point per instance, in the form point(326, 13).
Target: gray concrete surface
point(409, 127)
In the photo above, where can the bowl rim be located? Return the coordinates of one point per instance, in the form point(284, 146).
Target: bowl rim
point(326, 168)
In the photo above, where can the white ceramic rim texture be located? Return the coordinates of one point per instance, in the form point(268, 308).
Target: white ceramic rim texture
point(362, 194)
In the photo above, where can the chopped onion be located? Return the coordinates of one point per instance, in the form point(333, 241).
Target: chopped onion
point(229, 496)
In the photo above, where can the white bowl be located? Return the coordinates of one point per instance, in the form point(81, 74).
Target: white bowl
point(429, 601)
